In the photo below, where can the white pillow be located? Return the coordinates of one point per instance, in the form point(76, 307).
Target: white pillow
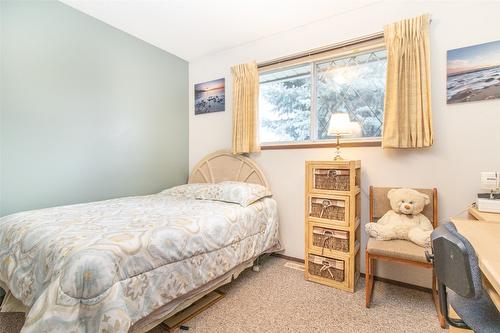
point(240, 193)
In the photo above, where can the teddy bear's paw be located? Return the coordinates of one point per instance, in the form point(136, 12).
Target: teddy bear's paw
point(371, 230)
point(420, 237)
point(424, 244)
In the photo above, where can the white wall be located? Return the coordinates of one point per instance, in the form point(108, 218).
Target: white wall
point(466, 135)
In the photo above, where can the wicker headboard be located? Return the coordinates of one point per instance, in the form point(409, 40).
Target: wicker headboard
point(223, 165)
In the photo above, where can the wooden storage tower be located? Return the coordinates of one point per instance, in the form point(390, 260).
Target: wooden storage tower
point(332, 223)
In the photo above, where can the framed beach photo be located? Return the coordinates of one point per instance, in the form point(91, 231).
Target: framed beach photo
point(209, 96)
point(473, 73)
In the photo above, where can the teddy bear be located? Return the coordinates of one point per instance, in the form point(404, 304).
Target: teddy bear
point(405, 220)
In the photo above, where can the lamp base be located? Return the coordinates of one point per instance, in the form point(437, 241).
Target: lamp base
point(337, 153)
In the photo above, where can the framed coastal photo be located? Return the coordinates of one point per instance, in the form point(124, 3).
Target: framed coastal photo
point(474, 73)
point(209, 96)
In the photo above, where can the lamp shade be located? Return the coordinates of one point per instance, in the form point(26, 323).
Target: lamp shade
point(339, 124)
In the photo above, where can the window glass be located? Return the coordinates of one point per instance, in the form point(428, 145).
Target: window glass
point(285, 105)
point(353, 85)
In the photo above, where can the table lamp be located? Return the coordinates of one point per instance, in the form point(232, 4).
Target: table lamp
point(339, 125)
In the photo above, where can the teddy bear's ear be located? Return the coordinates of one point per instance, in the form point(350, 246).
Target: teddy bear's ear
point(390, 193)
point(426, 198)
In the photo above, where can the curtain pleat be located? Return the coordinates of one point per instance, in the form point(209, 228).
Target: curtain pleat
point(245, 108)
point(407, 105)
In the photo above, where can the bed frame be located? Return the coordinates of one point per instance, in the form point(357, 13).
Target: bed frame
point(213, 168)
point(216, 167)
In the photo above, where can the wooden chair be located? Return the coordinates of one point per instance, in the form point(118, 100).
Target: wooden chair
point(398, 251)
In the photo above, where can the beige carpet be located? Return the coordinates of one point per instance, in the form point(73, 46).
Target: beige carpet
point(277, 299)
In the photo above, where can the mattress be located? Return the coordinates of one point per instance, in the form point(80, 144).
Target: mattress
point(101, 267)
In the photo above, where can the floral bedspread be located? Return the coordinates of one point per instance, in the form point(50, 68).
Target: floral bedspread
point(102, 266)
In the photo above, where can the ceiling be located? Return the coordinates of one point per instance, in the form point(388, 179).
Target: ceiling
point(194, 28)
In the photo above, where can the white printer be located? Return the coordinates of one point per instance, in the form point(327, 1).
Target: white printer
point(489, 202)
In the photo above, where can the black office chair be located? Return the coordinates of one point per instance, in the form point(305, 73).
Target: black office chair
point(457, 270)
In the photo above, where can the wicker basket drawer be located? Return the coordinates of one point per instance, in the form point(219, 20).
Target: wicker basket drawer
point(329, 209)
point(326, 268)
point(327, 239)
point(331, 179)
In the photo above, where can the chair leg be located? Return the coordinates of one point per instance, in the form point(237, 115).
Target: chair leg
point(435, 298)
point(372, 276)
point(368, 279)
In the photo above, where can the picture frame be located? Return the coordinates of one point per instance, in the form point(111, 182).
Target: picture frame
point(473, 73)
point(210, 96)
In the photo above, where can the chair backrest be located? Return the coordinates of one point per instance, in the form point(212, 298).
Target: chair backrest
point(380, 204)
point(455, 261)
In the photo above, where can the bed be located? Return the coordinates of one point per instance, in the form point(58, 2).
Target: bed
point(124, 265)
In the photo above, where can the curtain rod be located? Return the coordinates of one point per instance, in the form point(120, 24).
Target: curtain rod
point(321, 49)
point(327, 48)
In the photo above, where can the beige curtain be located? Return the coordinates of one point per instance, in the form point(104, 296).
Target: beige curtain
point(245, 108)
point(407, 115)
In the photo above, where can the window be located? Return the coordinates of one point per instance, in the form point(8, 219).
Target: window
point(296, 101)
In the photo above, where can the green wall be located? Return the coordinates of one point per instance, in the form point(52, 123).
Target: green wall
point(88, 112)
